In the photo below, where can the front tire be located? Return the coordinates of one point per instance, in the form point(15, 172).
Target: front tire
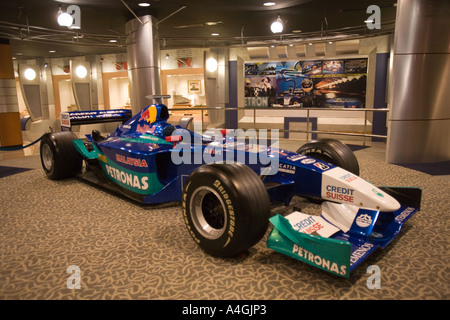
point(59, 158)
point(331, 151)
point(226, 208)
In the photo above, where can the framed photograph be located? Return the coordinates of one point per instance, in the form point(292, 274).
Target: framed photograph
point(194, 86)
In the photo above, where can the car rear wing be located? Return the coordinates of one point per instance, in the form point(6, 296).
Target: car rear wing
point(73, 118)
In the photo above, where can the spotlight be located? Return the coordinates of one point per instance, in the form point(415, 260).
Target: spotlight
point(277, 26)
point(29, 74)
point(211, 64)
point(81, 72)
point(64, 19)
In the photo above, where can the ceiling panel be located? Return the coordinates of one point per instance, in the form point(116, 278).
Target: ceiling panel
point(33, 30)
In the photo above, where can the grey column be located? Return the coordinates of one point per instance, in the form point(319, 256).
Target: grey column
point(217, 86)
point(419, 124)
point(95, 80)
point(143, 61)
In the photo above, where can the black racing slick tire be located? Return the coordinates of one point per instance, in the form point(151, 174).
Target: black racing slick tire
point(59, 158)
point(331, 151)
point(226, 208)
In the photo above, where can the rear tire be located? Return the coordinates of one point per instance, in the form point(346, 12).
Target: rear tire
point(59, 158)
point(331, 151)
point(226, 208)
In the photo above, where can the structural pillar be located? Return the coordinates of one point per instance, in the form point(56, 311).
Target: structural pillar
point(10, 129)
point(419, 123)
point(217, 85)
point(143, 61)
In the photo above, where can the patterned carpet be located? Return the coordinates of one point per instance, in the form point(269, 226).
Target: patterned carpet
point(126, 251)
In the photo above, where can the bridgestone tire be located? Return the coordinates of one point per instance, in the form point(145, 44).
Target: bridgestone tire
point(59, 158)
point(226, 208)
point(331, 151)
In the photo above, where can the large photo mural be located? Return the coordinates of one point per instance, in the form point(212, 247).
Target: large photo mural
point(337, 83)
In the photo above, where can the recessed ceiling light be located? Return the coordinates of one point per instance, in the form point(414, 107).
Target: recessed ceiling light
point(296, 31)
point(52, 51)
point(269, 4)
point(113, 40)
point(144, 4)
point(214, 34)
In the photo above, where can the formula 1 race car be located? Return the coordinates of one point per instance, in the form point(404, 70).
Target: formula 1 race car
point(227, 183)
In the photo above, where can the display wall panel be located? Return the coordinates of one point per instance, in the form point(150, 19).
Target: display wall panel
point(81, 84)
point(177, 80)
point(308, 83)
point(82, 93)
point(110, 82)
point(30, 81)
point(33, 94)
point(119, 93)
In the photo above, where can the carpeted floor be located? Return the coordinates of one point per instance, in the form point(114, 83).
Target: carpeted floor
point(125, 251)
